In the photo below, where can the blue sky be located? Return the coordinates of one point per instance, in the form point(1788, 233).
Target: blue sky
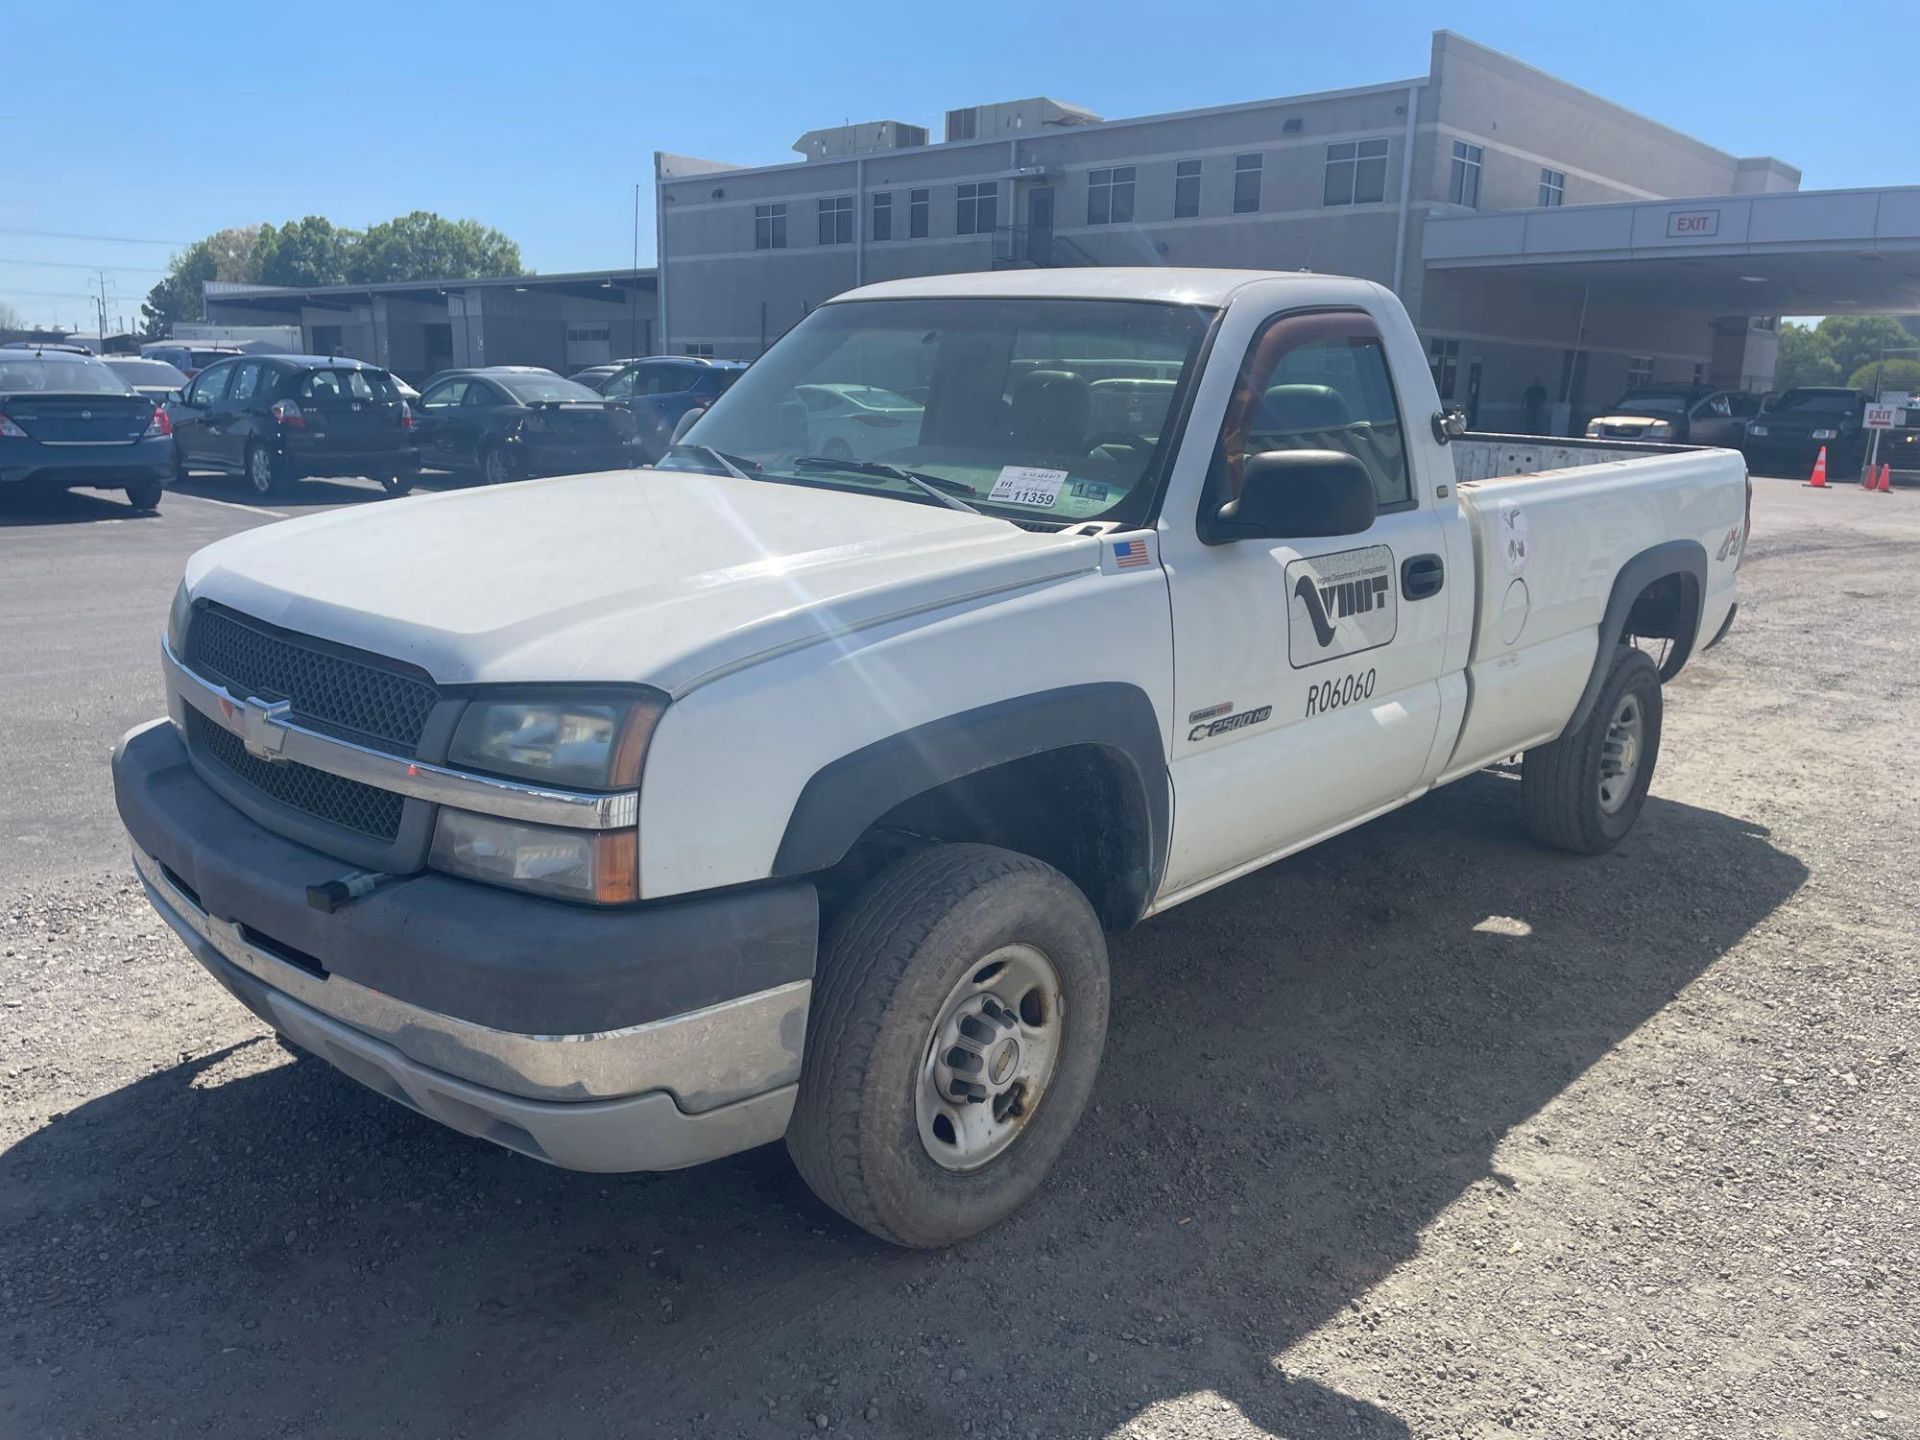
point(164, 123)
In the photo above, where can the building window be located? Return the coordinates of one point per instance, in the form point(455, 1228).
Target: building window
point(974, 211)
point(1356, 173)
point(883, 214)
point(1639, 371)
point(1246, 184)
point(589, 333)
point(770, 227)
point(1186, 189)
point(836, 220)
point(1110, 196)
point(917, 207)
point(1553, 187)
point(706, 350)
point(1464, 186)
point(1444, 357)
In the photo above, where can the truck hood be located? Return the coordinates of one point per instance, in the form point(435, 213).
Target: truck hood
point(667, 577)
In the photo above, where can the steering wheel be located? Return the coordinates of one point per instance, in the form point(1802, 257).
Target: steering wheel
point(1118, 437)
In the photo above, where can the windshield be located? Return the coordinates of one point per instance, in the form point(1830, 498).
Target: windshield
point(542, 389)
point(1042, 410)
point(1817, 402)
point(1652, 405)
point(155, 373)
point(59, 375)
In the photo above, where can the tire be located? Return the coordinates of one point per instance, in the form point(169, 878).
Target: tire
point(179, 465)
point(917, 931)
point(395, 485)
point(145, 497)
point(1565, 792)
point(266, 472)
point(496, 466)
point(837, 449)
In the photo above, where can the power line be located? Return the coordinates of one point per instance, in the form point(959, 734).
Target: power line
point(7, 291)
point(104, 239)
point(76, 265)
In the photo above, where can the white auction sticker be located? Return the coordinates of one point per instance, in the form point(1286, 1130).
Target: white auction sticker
point(1028, 485)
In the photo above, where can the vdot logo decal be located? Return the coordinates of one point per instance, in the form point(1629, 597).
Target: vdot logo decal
point(1340, 604)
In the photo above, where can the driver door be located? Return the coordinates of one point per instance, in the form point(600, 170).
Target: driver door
point(1306, 671)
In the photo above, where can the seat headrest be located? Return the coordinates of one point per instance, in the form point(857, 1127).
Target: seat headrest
point(1302, 407)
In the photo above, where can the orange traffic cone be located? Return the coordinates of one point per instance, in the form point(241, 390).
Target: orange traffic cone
point(1886, 479)
point(1819, 480)
point(1870, 481)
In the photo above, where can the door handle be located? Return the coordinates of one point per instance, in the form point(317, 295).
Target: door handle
point(1422, 576)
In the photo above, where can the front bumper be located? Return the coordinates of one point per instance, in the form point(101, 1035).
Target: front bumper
point(643, 1039)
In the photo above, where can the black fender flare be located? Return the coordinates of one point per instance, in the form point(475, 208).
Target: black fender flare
point(849, 794)
point(1673, 557)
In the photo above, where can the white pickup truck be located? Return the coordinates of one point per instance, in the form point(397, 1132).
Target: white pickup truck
point(792, 787)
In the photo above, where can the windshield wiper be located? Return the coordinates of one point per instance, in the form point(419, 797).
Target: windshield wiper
point(938, 487)
point(733, 465)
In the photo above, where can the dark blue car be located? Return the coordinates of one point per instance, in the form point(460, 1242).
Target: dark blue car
point(68, 422)
point(662, 389)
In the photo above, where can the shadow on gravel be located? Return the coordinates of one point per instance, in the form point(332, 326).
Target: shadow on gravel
point(1305, 1067)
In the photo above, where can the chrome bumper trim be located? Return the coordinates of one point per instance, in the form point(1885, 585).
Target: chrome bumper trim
point(269, 733)
point(705, 1059)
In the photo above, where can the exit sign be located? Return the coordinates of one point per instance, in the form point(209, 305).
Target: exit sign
point(1692, 224)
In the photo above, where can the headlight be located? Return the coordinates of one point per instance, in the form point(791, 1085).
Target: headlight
point(601, 866)
point(582, 740)
point(1593, 429)
point(1659, 429)
point(177, 619)
point(1759, 430)
point(1826, 434)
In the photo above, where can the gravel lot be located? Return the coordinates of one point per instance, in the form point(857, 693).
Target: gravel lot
point(1425, 1132)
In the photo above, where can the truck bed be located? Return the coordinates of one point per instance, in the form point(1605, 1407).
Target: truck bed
point(1553, 522)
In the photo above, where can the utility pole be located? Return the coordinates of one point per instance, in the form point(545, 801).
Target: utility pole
point(102, 306)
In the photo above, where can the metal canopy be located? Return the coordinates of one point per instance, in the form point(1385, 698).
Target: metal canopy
point(1819, 252)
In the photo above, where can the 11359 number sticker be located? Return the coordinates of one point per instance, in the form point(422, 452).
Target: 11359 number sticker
point(1332, 694)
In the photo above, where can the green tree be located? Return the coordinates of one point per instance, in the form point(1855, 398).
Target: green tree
point(10, 318)
point(1804, 359)
point(426, 246)
point(1899, 373)
point(225, 255)
point(1855, 340)
point(305, 252)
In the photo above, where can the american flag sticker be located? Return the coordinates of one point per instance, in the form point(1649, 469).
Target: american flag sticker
point(1130, 554)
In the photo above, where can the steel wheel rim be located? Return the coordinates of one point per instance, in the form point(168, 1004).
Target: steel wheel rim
point(1620, 754)
point(260, 471)
point(997, 1038)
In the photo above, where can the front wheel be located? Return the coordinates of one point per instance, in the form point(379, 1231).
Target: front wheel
point(145, 497)
point(1583, 791)
point(395, 485)
point(496, 466)
point(956, 1030)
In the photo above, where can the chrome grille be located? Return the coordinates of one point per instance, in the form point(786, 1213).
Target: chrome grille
point(366, 809)
point(371, 701)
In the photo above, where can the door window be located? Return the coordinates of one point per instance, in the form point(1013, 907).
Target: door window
point(479, 395)
point(1318, 382)
point(666, 379)
point(444, 396)
point(322, 385)
point(246, 380)
point(210, 386)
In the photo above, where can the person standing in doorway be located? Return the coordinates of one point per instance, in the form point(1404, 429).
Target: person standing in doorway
point(1535, 402)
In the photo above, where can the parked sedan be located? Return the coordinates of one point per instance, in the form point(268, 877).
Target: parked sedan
point(662, 389)
point(510, 422)
point(68, 422)
point(1790, 433)
point(1676, 414)
point(189, 360)
point(277, 418)
point(860, 422)
point(155, 379)
point(594, 376)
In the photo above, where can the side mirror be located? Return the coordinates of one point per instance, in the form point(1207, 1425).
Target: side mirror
point(1447, 424)
point(175, 397)
point(686, 423)
point(1297, 495)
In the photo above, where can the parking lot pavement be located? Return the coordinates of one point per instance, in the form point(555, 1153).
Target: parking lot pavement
point(1422, 1132)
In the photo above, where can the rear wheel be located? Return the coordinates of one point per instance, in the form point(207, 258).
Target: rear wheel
point(1583, 791)
point(956, 1030)
point(266, 472)
point(145, 497)
point(496, 468)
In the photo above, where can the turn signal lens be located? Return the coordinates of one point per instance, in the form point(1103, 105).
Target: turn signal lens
point(598, 866)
